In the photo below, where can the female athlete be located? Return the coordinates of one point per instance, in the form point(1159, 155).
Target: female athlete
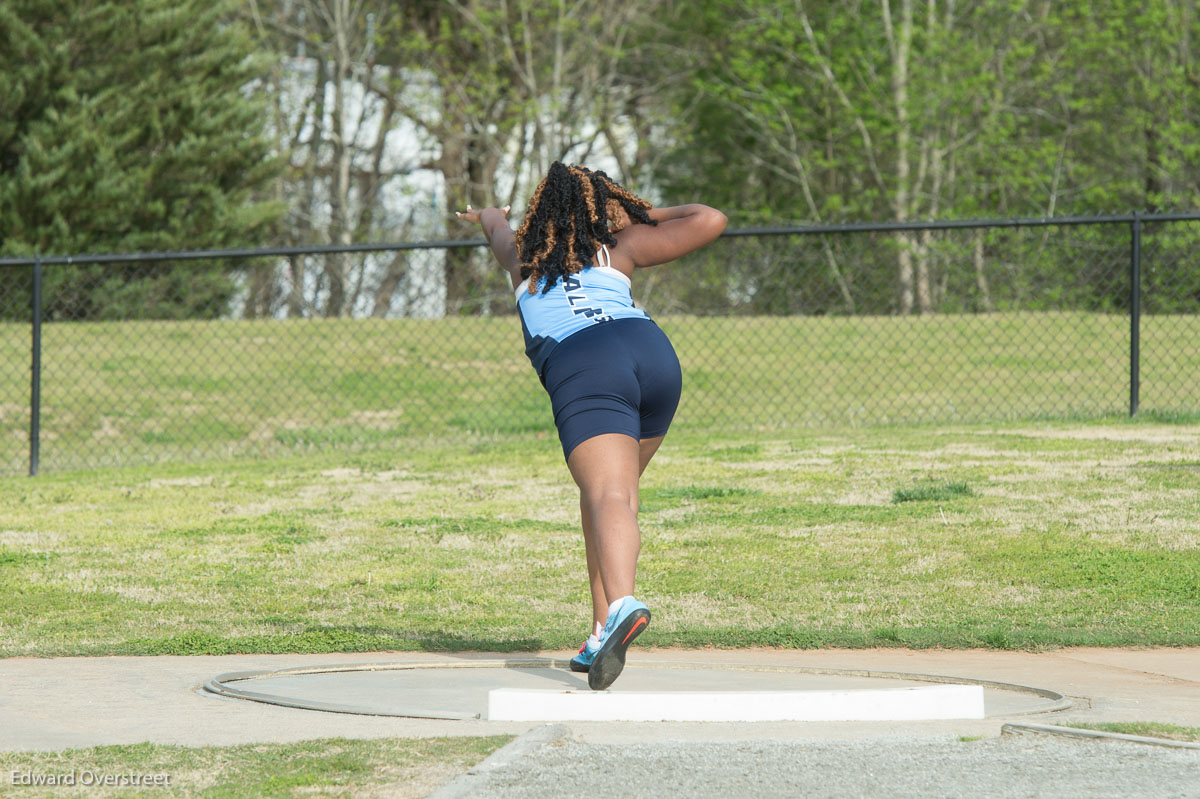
point(611, 373)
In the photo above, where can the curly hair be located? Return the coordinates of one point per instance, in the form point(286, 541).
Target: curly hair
point(568, 220)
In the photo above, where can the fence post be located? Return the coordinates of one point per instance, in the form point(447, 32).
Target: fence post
point(1135, 311)
point(35, 392)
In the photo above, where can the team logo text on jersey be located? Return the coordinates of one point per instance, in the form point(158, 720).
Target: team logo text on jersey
point(580, 305)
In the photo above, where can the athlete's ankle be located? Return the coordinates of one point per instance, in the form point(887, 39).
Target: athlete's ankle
point(616, 604)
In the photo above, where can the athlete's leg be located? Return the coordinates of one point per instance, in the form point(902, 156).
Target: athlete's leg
point(599, 598)
point(646, 449)
point(606, 469)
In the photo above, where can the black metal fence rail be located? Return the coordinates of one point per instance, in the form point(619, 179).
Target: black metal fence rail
point(235, 253)
point(1133, 219)
point(836, 273)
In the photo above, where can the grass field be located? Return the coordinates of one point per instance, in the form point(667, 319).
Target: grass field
point(122, 393)
point(1012, 536)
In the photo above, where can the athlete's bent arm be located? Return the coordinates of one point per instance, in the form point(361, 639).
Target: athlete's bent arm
point(680, 230)
point(500, 238)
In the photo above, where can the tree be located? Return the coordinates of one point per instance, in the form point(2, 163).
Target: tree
point(130, 126)
point(911, 109)
point(333, 128)
point(521, 84)
point(483, 94)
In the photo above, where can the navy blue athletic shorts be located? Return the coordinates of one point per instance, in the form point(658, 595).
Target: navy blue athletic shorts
point(616, 377)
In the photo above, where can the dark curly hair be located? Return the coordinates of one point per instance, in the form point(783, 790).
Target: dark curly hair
point(567, 221)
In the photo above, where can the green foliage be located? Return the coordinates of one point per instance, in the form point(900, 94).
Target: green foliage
point(833, 112)
point(1024, 108)
point(130, 127)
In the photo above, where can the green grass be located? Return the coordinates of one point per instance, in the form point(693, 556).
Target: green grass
point(119, 393)
point(1148, 729)
point(1071, 534)
point(931, 492)
point(331, 767)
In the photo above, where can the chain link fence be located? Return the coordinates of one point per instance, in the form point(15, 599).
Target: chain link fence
point(188, 356)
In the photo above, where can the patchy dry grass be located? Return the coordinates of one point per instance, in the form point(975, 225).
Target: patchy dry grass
point(1068, 535)
point(338, 767)
point(1148, 729)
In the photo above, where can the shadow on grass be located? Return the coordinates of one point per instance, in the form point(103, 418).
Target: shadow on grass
point(317, 640)
point(325, 640)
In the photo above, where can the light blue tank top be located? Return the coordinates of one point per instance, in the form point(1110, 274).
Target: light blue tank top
point(591, 296)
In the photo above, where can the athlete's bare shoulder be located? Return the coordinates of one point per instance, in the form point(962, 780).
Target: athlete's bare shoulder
point(620, 255)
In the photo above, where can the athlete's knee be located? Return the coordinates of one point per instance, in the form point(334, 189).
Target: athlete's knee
point(600, 498)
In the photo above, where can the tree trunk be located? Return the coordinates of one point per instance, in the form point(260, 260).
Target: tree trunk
point(905, 261)
point(261, 292)
point(1154, 170)
point(924, 291)
point(981, 282)
point(456, 167)
point(303, 229)
point(900, 45)
point(387, 286)
point(339, 228)
point(295, 299)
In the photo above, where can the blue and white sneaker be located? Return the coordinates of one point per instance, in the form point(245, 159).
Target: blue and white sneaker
point(622, 627)
point(583, 661)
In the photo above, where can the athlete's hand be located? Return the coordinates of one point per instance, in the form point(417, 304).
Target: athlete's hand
point(472, 214)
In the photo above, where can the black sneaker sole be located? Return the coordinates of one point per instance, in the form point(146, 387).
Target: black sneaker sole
point(579, 667)
point(610, 660)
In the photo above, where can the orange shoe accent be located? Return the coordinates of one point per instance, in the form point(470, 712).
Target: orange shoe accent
point(642, 621)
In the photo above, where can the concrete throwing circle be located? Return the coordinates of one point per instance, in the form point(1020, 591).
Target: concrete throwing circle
point(544, 689)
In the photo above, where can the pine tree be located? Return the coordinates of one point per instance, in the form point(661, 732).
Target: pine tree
point(131, 126)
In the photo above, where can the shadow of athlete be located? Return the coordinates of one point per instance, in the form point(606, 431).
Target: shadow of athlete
point(611, 373)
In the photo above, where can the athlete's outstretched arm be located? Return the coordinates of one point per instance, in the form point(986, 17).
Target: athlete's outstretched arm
point(500, 238)
point(680, 230)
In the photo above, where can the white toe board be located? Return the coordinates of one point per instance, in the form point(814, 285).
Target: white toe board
point(897, 704)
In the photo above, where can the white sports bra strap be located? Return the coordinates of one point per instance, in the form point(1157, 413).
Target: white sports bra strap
point(607, 257)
